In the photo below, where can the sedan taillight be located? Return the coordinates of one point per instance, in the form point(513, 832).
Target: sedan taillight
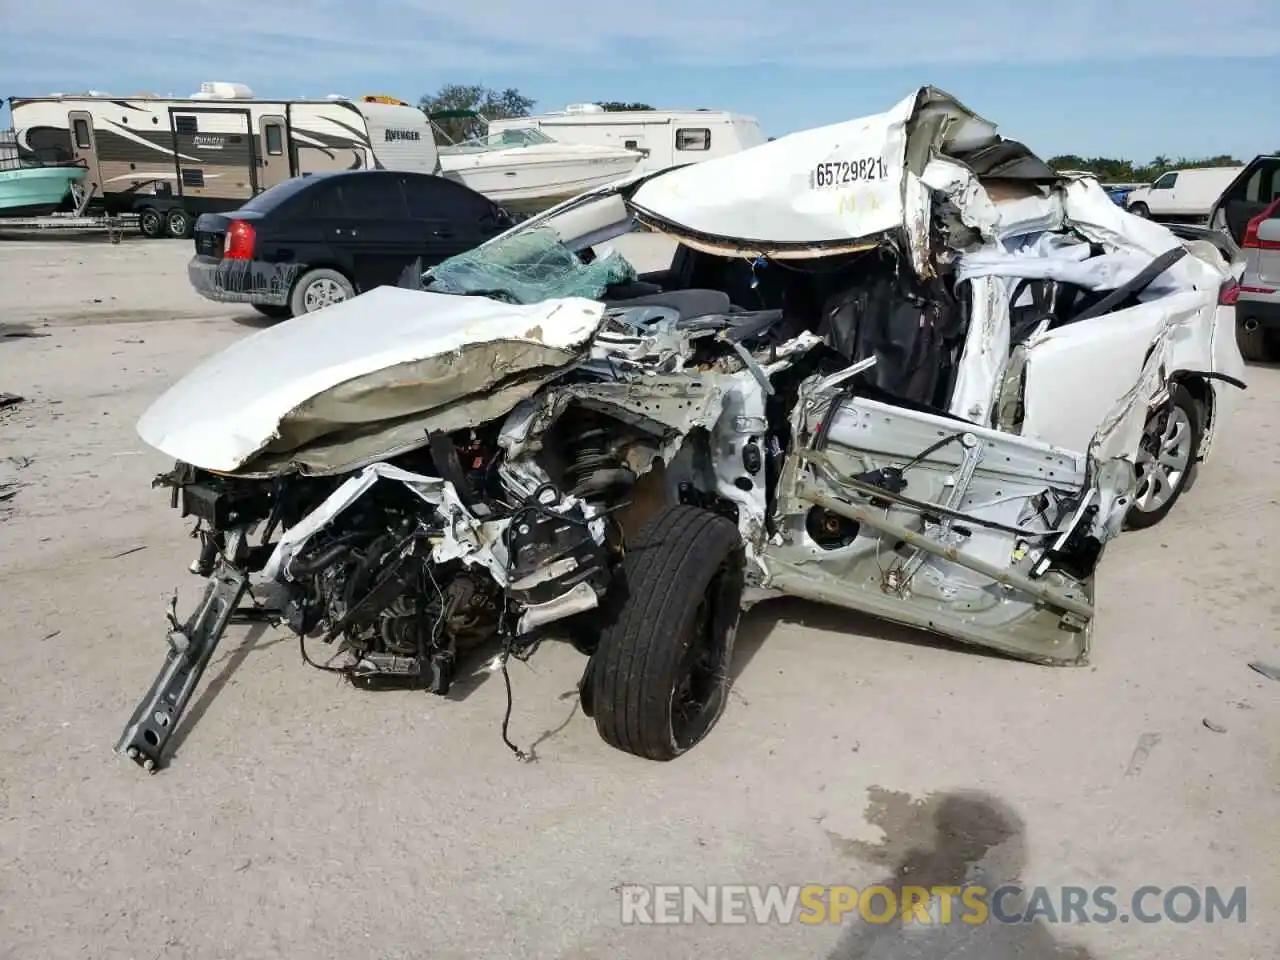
point(1251, 240)
point(240, 240)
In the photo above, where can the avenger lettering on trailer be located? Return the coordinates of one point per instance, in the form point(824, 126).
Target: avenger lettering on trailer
point(840, 173)
point(402, 135)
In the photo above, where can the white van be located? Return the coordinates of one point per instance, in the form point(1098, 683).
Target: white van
point(666, 138)
point(1182, 194)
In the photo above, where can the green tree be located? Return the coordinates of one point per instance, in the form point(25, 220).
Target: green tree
point(490, 104)
point(619, 106)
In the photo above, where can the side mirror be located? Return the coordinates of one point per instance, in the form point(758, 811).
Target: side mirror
point(1269, 230)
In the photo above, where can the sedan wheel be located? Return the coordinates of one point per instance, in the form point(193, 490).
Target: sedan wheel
point(322, 293)
point(1165, 459)
point(318, 289)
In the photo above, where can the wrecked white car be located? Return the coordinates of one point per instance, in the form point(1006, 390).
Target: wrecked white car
point(896, 365)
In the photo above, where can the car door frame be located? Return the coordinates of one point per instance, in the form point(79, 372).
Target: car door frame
point(961, 573)
point(453, 219)
point(373, 249)
point(1233, 209)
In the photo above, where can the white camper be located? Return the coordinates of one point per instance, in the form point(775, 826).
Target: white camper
point(1182, 194)
point(665, 138)
point(169, 160)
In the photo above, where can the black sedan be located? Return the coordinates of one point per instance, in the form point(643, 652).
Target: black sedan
point(316, 240)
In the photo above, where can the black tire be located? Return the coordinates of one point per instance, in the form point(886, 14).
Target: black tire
point(298, 298)
point(179, 224)
point(1256, 345)
point(273, 312)
point(151, 223)
point(1139, 518)
point(1140, 210)
point(660, 675)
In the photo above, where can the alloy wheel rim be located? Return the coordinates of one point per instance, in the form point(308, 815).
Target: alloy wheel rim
point(323, 293)
point(1163, 460)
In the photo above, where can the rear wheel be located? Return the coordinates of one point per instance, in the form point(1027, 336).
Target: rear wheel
point(660, 675)
point(319, 288)
point(178, 224)
point(1140, 210)
point(1255, 341)
point(1166, 458)
point(151, 223)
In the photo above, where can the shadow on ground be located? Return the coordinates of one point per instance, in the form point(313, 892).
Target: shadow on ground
point(954, 839)
point(759, 622)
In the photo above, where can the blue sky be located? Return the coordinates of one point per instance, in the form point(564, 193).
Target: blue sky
point(1131, 78)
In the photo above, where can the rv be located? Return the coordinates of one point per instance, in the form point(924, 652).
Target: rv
point(666, 138)
point(169, 160)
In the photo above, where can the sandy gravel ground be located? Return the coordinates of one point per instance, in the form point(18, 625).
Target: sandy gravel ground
point(304, 818)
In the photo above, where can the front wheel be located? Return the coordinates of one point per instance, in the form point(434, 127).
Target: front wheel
point(1140, 210)
point(1167, 455)
point(660, 676)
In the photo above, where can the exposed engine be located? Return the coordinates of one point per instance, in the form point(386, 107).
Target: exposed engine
point(373, 587)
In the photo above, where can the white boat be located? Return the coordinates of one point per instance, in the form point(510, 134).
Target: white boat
point(527, 171)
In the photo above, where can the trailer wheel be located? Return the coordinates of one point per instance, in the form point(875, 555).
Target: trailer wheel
point(660, 675)
point(151, 223)
point(179, 224)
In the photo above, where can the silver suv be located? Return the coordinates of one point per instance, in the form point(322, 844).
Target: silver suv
point(1249, 210)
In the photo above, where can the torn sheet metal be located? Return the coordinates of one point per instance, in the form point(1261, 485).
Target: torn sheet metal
point(385, 354)
point(354, 447)
point(1054, 256)
point(465, 536)
point(986, 350)
point(971, 577)
point(805, 193)
point(667, 407)
point(958, 190)
point(1113, 349)
point(1090, 211)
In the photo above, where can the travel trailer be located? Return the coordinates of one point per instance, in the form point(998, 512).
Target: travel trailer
point(169, 160)
point(665, 138)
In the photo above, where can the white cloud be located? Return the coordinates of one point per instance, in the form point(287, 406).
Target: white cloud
point(304, 43)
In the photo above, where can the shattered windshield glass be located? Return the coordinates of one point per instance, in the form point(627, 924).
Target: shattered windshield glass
point(528, 267)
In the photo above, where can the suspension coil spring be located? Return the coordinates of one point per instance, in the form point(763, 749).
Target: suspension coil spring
point(593, 468)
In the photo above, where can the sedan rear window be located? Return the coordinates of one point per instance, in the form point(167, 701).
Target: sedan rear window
point(272, 197)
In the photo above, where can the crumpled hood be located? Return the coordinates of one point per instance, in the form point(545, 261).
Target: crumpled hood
point(818, 191)
point(388, 357)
